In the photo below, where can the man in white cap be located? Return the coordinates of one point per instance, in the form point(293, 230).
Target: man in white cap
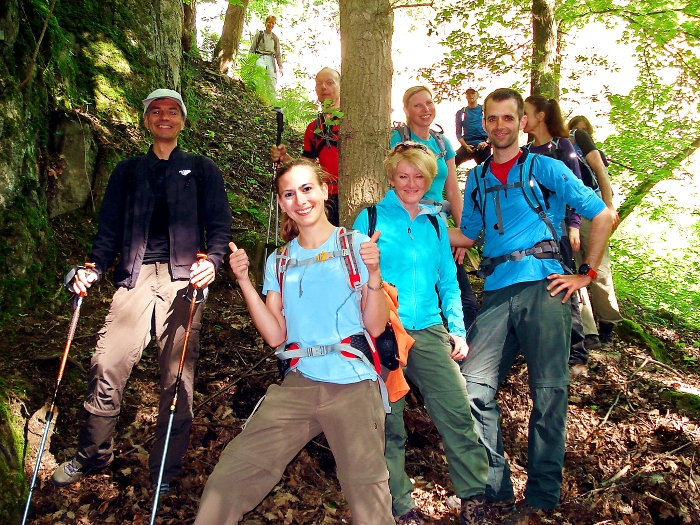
point(159, 211)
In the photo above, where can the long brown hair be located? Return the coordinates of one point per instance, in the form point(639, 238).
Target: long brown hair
point(288, 228)
point(552, 114)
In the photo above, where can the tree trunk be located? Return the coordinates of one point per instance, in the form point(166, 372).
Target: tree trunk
point(227, 48)
point(544, 77)
point(366, 29)
point(189, 27)
point(637, 194)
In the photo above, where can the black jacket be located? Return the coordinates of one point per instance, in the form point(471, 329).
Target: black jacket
point(199, 215)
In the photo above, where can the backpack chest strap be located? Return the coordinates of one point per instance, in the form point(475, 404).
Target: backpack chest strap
point(497, 200)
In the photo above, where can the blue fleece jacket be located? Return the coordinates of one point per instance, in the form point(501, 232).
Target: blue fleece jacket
point(415, 261)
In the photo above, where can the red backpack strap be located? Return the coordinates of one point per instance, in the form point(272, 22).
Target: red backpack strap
point(346, 242)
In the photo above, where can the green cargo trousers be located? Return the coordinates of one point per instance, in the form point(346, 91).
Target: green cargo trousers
point(440, 382)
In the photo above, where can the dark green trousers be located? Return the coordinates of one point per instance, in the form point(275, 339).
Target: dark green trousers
point(439, 380)
point(522, 318)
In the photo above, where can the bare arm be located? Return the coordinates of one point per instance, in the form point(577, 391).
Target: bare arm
point(375, 310)
point(458, 239)
point(595, 161)
point(267, 316)
point(601, 227)
point(454, 197)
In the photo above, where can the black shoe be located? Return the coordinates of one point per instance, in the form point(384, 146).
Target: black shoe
point(591, 342)
point(605, 333)
point(70, 472)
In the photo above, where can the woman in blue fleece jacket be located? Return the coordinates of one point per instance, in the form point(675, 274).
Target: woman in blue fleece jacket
point(416, 258)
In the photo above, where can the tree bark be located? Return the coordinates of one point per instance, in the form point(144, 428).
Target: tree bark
point(227, 47)
point(189, 26)
point(544, 76)
point(637, 194)
point(366, 29)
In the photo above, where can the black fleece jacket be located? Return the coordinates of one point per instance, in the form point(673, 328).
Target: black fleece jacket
point(199, 215)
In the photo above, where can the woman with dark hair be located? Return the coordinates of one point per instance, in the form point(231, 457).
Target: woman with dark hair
point(416, 258)
point(602, 289)
point(310, 308)
point(550, 138)
point(419, 109)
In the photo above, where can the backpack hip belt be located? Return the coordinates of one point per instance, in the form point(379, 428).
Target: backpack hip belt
point(542, 250)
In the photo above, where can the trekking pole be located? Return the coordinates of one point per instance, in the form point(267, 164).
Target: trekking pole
point(50, 413)
point(173, 405)
point(280, 125)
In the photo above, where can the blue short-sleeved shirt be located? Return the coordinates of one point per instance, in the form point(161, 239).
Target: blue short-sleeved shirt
point(522, 227)
point(320, 308)
point(438, 185)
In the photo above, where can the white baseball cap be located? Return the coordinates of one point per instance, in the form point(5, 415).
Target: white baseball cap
point(164, 93)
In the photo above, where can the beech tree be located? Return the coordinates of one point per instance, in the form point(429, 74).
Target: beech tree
point(366, 28)
point(227, 47)
point(657, 123)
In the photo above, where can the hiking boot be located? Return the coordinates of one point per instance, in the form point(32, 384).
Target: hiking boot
point(605, 331)
point(69, 472)
point(412, 517)
point(524, 514)
point(591, 342)
point(579, 369)
point(501, 509)
point(475, 511)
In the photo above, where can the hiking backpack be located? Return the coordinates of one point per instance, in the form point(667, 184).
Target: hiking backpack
point(526, 183)
point(588, 176)
point(439, 136)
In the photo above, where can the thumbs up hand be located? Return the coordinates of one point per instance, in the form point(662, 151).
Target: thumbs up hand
point(238, 260)
point(369, 252)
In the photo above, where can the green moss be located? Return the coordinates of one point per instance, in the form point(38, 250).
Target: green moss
point(654, 344)
point(683, 401)
point(11, 472)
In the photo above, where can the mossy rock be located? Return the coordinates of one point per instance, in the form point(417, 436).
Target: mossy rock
point(12, 481)
point(632, 330)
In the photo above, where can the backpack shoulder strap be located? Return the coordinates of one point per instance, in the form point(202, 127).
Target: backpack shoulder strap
point(434, 221)
point(371, 219)
point(440, 139)
point(528, 182)
point(404, 132)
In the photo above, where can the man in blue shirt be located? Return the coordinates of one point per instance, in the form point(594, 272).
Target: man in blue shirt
point(526, 299)
point(470, 131)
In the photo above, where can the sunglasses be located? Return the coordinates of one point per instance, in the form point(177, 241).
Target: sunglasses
point(405, 146)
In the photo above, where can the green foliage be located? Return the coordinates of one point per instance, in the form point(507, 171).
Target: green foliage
point(255, 78)
point(298, 111)
point(14, 486)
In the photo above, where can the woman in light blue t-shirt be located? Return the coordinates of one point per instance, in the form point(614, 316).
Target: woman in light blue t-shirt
point(335, 393)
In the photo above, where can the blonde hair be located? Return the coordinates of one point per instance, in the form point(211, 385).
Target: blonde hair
point(288, 228)
point(422, 160)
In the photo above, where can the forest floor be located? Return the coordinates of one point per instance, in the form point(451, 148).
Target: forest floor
point(633, 422)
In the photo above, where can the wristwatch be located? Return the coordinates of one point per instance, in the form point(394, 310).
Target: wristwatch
point(584, 269)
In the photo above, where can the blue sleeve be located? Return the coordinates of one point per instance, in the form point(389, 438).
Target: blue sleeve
point(447, 286)
point(271, 283)
point(361, 223)
point(472, 223)
point(395, 138)
point(571, 190)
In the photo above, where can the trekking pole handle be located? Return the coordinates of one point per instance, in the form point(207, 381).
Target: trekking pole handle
point(89, 266)
point(280, 125)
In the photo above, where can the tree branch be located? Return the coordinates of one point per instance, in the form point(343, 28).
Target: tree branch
point(427, 4)
point(32, 62)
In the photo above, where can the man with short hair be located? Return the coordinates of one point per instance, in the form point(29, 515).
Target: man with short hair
point(321, 137)
point(526, 298)
point(266, 44)
point(470, 131)
point(158, 212)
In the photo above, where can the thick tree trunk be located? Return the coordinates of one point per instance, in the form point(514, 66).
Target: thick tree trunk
point(366, 28)
point(227, 48)
point(544, 77)
point(637, 194)
point(189, 27)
